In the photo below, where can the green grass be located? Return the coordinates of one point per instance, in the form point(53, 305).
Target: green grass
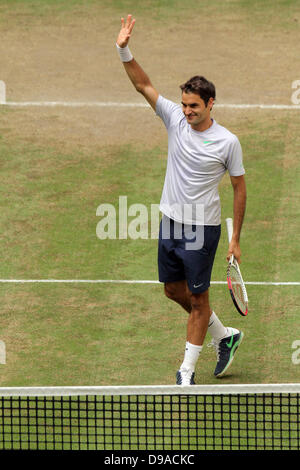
point(119, 334)
point(279, 14)
point(110, 334)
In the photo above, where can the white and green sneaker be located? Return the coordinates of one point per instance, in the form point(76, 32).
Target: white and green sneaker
point(185, 377)
point(225, 349)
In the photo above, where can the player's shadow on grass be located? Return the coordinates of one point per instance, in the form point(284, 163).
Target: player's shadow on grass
point(226, 378)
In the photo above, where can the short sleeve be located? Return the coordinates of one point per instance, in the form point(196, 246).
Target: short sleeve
point(234, 162)
point(168, 111)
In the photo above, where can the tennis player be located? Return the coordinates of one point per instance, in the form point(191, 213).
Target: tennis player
point(199, 153)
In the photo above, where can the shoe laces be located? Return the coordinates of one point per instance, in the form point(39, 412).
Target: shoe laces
point(215, 344)
point(186, 375)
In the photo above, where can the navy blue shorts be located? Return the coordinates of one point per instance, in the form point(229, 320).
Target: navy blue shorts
point(181, 257)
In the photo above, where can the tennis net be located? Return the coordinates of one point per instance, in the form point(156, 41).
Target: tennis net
point(200, 417)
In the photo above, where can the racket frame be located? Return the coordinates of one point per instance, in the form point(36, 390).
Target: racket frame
point(233, 262)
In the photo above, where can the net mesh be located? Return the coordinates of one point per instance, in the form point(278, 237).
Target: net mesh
point(233, 421)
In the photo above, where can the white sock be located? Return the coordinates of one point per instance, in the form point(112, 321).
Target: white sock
point(191, 355)
point(217, 330)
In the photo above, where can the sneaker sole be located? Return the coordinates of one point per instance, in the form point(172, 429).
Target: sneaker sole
point(232, 355)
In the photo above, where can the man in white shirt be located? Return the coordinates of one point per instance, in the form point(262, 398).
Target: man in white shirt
point(200, 151)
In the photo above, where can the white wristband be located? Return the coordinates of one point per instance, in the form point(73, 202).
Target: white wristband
point(125, 54)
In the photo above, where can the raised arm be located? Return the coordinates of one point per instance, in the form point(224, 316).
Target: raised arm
point(134, 71)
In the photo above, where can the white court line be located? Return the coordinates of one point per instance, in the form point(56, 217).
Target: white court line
point(102, 104)
point(133, 281)
point(77, 104)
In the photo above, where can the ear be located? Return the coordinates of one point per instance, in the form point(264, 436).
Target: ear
point(210, 103)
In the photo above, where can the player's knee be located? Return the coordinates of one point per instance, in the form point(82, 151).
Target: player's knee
point(200, 302)
point(174, 292)
point(170, 292)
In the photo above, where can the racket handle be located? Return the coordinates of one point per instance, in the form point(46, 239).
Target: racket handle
point(229, 225)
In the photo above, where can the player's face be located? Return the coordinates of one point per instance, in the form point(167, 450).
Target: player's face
point(194, 109)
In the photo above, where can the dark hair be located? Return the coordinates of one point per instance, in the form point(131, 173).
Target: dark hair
point(200, 86)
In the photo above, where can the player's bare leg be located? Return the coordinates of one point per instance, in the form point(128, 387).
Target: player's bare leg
point(196, 331)
point(199, 318)
point(179, 292)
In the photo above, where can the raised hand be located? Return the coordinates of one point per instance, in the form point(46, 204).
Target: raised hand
point(125, 31)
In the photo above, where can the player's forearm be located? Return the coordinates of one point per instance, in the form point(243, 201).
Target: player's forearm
point(134, 71)
point(239, 208)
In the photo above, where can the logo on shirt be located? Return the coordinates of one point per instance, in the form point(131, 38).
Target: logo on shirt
point(208, 142)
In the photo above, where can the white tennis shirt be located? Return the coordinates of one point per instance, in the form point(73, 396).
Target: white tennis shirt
point(196, 164)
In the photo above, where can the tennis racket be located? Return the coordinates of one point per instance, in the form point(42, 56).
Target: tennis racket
point(235, 281)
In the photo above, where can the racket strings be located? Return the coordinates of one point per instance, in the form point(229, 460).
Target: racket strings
point(237, 287)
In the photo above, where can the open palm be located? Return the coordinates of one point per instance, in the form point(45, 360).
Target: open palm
point(125, 31)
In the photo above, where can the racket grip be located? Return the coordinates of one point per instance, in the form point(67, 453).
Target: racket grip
point(229, 225)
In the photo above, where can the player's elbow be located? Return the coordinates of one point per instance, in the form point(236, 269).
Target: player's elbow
point(143, 85)
point(140, 88)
